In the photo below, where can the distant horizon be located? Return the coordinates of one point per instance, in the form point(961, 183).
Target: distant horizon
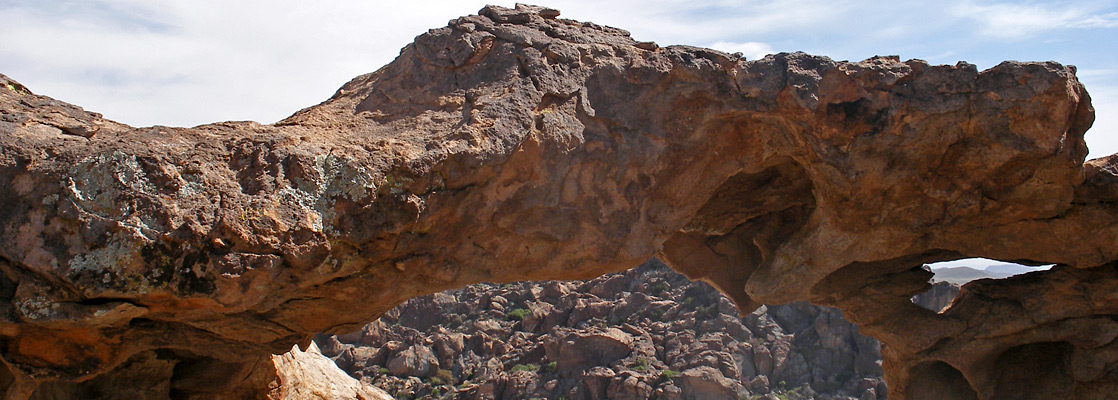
point(980, 264)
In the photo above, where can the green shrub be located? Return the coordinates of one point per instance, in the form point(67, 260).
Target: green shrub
point(706, 312)
point(524, 367)
point(551, 367)
point(517, 314)
point(669, 374)
point(445, 375)
point(383, 370)
point(641, 364)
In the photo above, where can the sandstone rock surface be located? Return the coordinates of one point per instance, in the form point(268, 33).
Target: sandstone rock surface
point(515, 145)
point(307, 375)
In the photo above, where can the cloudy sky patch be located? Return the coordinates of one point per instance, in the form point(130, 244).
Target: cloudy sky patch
point(1013, 21)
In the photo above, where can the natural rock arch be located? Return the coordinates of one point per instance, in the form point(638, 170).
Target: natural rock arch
point(513, 145)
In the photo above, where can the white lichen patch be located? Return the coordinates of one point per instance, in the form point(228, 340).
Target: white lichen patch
point(332, 177)
point(194, 184)
point(98, 183)
point(343, 179)
point(50, 200)
point(110, 264)
point(36, 308)
point(108, 258)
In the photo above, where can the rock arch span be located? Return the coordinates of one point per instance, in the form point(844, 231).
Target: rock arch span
point(514, 145)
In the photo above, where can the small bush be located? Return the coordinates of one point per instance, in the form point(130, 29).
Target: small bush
point(669, 374)
point(706, 312)
point(455, 321)
point(551, 367)
point(383, 370)
point(517, 314)
point(641, 364)
point(445, 375)
point(524, 367)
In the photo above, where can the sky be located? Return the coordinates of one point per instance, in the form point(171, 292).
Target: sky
point(186, 63)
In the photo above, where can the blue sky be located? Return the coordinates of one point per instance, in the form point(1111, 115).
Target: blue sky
point(185, 63)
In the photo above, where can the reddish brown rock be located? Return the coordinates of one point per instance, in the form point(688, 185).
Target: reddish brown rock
point(514, 145)
point(576, 351)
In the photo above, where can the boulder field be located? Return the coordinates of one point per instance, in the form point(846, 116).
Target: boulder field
point(646, 333)
point(515, 145)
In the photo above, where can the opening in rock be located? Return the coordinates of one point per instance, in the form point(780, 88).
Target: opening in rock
point(626, 335)
point(936, 381)
point(1041, 367)
point(962, 271)
point(950, 275)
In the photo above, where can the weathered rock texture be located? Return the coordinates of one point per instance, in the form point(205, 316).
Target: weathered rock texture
point(308, 375)
point(513, 145)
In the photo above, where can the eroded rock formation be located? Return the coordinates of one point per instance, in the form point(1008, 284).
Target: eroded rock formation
point(308, 374)
point(514, 145)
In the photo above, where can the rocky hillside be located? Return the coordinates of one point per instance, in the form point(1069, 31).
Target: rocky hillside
point(641, 334)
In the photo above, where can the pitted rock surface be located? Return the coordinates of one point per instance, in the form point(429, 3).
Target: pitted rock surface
point(515, 145)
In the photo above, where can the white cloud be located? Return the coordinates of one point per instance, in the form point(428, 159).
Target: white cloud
point(1102, 138)
point(689, 22)
point(751, 50)
point(1005, 20)
point(188, 63)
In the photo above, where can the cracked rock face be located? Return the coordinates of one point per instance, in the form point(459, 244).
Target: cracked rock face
point(514, 145)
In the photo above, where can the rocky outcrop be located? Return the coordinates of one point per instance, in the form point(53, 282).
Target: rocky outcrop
point(938, 298)
point(307, 375)
point(515, 145)
point(661, 337)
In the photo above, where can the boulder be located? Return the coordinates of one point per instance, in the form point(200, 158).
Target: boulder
point(628, 388)
point(576, 350)
point(706, 383)
point(308, 375)
point(595, 382)
point(417, 360)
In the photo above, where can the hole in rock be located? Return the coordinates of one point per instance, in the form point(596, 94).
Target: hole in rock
point(938, 380)
point(635, 333)
point(962, 271)
point(950, 275)
point(1041, 367)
